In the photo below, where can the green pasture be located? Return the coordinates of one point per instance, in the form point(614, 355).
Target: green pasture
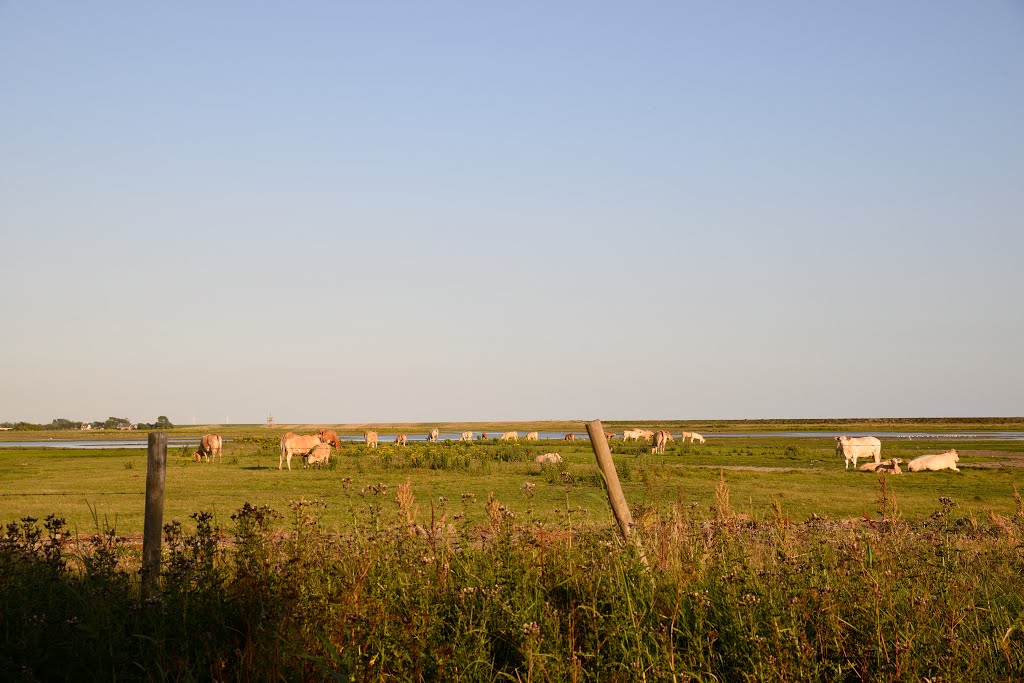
point(765, 476)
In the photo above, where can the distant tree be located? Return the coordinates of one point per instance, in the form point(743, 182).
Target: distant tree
point(163, 423)
point(115, 422)
point(63, 423)
point(27, 427)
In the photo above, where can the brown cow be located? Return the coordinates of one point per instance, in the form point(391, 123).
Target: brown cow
point(609, 435)
point(661, 439)
point(321, 455)
point(329, 436)
point(296, 444)
point(570, 437)
point(209, 445)
point(401, 439)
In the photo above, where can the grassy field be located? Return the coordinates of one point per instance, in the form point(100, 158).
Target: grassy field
point(764, 560)
point(802, 477)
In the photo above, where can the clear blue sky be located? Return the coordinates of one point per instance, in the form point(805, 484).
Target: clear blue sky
point(341, 212)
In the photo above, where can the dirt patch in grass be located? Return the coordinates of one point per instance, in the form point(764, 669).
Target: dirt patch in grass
point(755, 468)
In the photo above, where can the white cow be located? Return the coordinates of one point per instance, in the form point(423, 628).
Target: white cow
point(935, 462)
point(532, 436)
point(432, 436)
point(370, 438)
point(694, 436)
point(510, 436)
point(466, 436)
point(645, 433)
point(548, 459)
point(859, 447)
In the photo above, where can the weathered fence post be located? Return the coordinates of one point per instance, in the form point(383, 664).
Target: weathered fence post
point(156, 470)
point(620, 509)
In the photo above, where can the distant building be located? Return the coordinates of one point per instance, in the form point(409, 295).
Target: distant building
point(85, 425)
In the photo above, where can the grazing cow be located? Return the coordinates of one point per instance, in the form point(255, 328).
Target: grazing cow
point(401, 439)
point(646, 433)
point(483, 436)
point(296, 444)
point(860, 447)
point(209, 446)
point(370, 438)
point(686, 435)
point(432, 436)
point(548, 459)
point(609, 435)
point(892, 467)
point(466, 436)
point(694, 436)
point(510, 436)
point(631, 435)
point(321, 455)
point(661, 439)
point(935, 462)
point(329, 436)
point(570, 437)
point(532, 436)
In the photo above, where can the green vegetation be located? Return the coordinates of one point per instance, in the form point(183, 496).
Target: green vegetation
point(468, 561)
point(408, 593)
point(803, 475)
point(62, 424)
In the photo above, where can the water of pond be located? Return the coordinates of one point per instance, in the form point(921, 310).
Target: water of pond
point(384, 437)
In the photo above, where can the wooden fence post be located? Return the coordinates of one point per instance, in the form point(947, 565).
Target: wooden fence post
point(616, 497)
point(156, 470)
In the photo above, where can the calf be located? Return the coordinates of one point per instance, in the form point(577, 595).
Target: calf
point(321, 455)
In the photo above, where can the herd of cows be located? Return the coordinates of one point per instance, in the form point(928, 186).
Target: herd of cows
point(315, 449)
point(870, 447)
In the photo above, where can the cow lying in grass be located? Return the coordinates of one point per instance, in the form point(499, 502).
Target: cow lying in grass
point(935, 462)
point(548, 459)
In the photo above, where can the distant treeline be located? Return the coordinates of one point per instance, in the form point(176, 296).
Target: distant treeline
point(62, 423)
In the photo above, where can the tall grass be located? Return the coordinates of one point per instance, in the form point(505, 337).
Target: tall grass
point(410, 592)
